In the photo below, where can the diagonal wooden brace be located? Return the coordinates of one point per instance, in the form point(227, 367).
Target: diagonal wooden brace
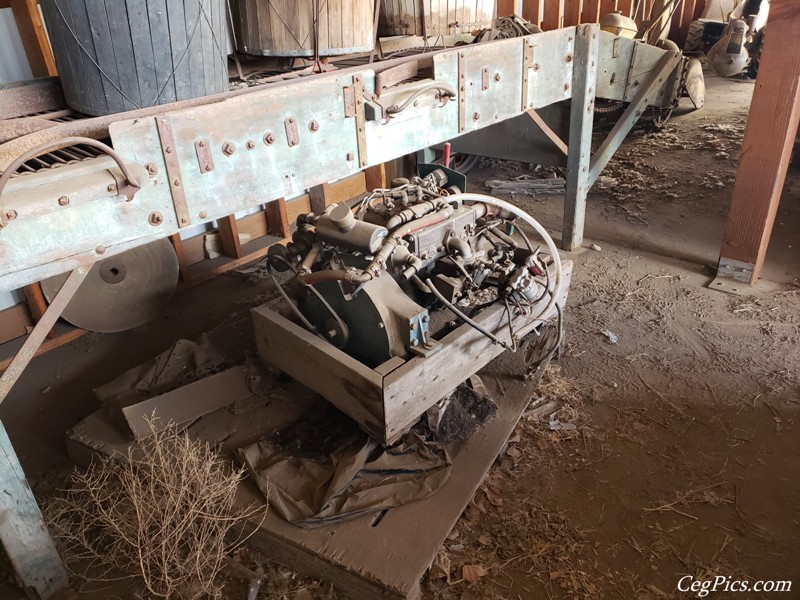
point(645, 96)
point(40, 331)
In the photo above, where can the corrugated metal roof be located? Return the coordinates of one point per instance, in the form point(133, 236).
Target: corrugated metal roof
point(13, 62)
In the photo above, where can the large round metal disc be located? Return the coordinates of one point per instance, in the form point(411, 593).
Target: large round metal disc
point(123, 291)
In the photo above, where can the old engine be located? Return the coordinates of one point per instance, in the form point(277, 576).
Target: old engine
point(370, 279)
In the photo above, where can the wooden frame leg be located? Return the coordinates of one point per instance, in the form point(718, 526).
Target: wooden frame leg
point(229, 236)
point(319, 195)
point(277, 219)
point(766, 149)
point(37, 304)
point(375, 177)
point(587, 44)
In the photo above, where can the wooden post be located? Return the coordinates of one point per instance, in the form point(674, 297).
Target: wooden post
point(766, 149)
point(229, 236)
point(37, 304)
point(177, 244)
point(23, 531)
point(607, 6)
point(581, 117)
point(34, 37)
point(277, 219)
point(625, 7)
point(320, 197)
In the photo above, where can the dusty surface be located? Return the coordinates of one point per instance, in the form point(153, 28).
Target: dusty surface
point(676, 450)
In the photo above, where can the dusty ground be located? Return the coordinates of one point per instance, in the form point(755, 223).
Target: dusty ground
point(678, 449)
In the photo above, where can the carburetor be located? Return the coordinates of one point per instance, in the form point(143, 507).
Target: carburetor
point(372, 278)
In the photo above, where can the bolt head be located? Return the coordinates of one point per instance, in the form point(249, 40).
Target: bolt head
point(250, 144)
point(313, 126)
point(111, 188)
point(151, 169)
point(228, 148)
point(350, 156)
point(155, 218)
point(476, 116)
point(63, 201)
point(11, 215)
point(269, 139)
point(496, 77)
point(100, 249)
point(203, 215)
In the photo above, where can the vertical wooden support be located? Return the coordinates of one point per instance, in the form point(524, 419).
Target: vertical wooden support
point(591, 11)
point(572, 12)
point(229, 236)
point(37, 304)
point(580, 134)
point(532, 11)
point(319, 195)
point(553, 14)
point(22, 530)
point(766, 149)
point(277, 219)
point(34, 37)
point(177, 244)
point(375, 177)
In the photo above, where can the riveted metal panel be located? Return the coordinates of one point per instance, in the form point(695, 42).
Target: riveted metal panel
point(550, 76)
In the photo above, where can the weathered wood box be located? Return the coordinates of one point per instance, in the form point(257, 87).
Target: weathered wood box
point(387, 400)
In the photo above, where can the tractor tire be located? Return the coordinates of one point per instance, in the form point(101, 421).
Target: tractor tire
point(694, 37)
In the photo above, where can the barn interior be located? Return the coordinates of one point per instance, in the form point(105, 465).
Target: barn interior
point(418, 299)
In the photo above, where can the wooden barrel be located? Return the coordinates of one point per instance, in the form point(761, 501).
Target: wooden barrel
point(434, 17)
point(114, 56)
point(287, 27)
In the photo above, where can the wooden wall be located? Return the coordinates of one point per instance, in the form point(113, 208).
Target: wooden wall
point(552, 14)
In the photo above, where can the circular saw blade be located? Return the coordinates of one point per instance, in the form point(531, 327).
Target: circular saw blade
point(123, 291)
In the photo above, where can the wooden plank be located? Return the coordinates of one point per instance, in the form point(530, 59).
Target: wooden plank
point(319, 195)
point(625, 7)
point(375, 177)
point(591, 11)
point(187, 403)
point(37, 304)
point(553, 14)
point(767, 146)
point(607, 6)
point(14, 322)
point(507, 7)
point(23, 532)
point(345, 382)
point(229, 236)
point(277, 219)
point(532, 11)
point(584, 77)
point(34, 37)
point(572, 13)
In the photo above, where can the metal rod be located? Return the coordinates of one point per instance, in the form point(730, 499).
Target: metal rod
point(40, 331)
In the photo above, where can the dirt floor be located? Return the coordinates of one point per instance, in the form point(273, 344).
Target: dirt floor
point(675, 451)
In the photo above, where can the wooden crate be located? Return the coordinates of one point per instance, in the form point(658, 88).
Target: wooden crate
point(388, 400)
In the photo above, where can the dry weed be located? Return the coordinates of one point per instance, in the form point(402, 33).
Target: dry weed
point(164, 515)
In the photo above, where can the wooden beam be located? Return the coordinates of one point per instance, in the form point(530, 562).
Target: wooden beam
point(229, 236)
point(625, 7)
point(766, 149)
point(553, 14)
point(34, 37)
point(508, 7)
point(277, 219)
point(37, 304)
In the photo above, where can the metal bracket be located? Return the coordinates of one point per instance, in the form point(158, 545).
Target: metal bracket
point(361, 134)
point(204, 157)
point(170, 153)
point(292, 133)
point(527, 65)
point(462, 93)
point(629, 81)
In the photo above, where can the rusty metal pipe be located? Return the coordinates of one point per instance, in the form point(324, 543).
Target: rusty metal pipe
point(334, 275)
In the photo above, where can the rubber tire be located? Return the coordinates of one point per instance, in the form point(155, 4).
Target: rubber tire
point(694, 37)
